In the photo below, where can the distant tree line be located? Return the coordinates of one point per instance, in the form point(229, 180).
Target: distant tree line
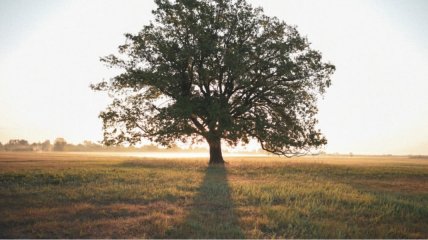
point(22, 145)
point(61, 145)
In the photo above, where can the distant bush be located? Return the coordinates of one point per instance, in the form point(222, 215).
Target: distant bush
point(59, 144)
point(17, 145)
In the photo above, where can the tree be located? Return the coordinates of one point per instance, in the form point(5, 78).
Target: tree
point(216, 70)
point(46, 145)
point(59, 144)
point(18, 145)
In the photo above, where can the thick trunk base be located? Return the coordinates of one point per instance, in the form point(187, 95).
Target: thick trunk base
point(216, 156)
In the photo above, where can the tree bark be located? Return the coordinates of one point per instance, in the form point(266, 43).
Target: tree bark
point(216, 156)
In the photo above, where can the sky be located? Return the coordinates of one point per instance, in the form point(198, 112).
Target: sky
point(377, 104)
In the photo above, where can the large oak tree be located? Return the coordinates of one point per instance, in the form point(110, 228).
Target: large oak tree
point(216, 70)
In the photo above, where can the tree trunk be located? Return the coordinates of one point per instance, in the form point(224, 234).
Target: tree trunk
point(216, 156)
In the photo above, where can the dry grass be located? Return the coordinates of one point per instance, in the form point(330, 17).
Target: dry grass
point(96, 196)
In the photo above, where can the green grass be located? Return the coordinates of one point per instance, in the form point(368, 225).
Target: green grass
point(90, 196)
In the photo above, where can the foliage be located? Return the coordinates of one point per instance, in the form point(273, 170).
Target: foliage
point(45, 146)
point(59, 144)
point(216, 69)
point(17, 145)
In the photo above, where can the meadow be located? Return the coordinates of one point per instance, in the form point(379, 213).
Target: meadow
point(65, 195)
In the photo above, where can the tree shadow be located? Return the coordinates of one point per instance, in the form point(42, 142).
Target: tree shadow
point(212, 211)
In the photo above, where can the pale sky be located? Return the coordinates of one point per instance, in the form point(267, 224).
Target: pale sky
point(50, 50)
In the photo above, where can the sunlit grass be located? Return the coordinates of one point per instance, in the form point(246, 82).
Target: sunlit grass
point(92, 196)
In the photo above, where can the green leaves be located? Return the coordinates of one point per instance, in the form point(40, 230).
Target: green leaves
point(216, 68)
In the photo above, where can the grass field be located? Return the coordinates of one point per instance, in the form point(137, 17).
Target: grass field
point(97, 196)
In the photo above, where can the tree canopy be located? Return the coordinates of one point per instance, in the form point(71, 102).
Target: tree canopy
point(212, 70)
